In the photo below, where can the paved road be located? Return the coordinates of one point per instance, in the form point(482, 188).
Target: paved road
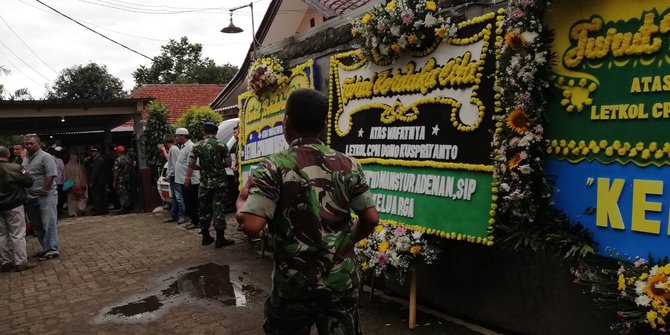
point(133, 274)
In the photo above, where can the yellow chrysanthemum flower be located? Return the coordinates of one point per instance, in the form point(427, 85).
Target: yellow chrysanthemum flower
point(440, 32)
point(362, 243)
point(395, 47)
point(365, 266)
point(415, 249)
point(622, 282)
point(431, 6)
point(412, 39)
point(390, 6)
point(383, 246)
point(651, 318)
point(379, 228)
point(366, 18)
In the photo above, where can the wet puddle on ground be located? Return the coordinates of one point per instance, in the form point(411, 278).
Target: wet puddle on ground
point(207, 283)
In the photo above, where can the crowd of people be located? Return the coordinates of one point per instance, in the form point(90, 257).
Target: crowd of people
point(199, 183)
point(304, 195)
point(37, 187)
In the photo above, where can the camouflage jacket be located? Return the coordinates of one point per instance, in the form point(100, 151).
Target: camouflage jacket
point(306, 193)
point(211, 156)
point(123, 166)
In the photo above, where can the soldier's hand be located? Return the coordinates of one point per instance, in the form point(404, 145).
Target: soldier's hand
point(244, 192)
point(187, 182)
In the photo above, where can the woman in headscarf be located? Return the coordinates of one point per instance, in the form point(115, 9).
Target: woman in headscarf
point(77, 194)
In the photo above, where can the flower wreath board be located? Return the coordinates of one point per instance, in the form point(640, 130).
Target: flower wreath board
point(261, 117)
point(422, 128)
point(609, 119)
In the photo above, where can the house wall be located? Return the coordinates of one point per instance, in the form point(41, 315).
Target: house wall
point(306, 21)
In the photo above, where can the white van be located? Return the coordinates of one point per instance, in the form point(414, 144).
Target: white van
point(224, 135)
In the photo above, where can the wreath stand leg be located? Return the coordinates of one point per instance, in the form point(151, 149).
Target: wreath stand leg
point(412, 301)
point(264, 242)
point(361, 285)
point(372, 287)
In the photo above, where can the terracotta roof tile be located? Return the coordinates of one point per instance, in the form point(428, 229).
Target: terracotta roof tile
point(341, 6)
point(178, 97)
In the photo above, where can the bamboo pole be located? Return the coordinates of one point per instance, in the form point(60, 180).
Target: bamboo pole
point(412, 301)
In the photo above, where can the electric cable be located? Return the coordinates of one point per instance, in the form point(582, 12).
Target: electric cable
point(22, 61)
point(27, 46)
point(18, 68)
point(105, 37)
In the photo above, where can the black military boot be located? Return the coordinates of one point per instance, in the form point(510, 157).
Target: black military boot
point(220, 240)
point(206, 238)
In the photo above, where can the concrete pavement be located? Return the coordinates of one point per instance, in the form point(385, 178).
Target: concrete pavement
point(133, 274)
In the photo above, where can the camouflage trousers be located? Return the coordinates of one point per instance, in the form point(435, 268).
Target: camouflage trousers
point(297, 318)
point(212, 207)
point(123, 193)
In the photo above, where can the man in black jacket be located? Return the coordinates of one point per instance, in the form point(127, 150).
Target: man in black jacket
point(13, 181)
point(98, 182)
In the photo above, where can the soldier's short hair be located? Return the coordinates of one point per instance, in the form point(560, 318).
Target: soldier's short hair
point(4, 152)
point(308, 110)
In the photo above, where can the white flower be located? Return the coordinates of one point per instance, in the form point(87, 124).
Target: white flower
point(395, 30)
point(621, 270)
point(540, 59)
point(529, 36)
point(430, 20)
point(643, 300)
point(384, 49)
point(525, 169)
point(653, 271)
point(452, 30)
point(416, 234)
point(504, 187)
point(402, 41)
point(639, 287)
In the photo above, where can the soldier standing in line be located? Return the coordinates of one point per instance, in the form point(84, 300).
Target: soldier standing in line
point(305, 194)
point(211, 157)
point(122, 171)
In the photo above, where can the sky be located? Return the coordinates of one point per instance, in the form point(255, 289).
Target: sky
point(36, 43)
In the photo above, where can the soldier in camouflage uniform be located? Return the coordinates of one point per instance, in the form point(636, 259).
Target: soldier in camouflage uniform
point(211, 157)
point(305, 194)
point(122, 170)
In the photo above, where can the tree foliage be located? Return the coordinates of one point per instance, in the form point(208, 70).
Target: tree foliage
point(195, 116)
point(156, 126)
point(3, 71)
point(9, 140)
point(89, 82)
point(20, 94)
point(181, 62)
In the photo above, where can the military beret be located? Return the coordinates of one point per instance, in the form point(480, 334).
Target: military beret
point(209, 126)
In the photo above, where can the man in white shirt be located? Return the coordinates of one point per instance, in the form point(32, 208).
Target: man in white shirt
point(187, 182)
point(177, 210)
